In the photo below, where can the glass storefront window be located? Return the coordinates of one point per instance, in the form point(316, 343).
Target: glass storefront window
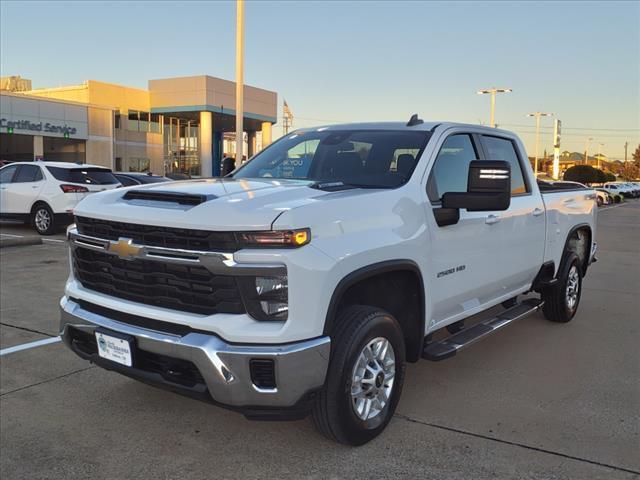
point(181, 146)
point(155, 125)
point(137, 164)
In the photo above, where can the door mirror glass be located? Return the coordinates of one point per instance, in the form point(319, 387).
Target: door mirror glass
point(488, 188)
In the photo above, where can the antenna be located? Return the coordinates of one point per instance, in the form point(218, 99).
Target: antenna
point(414, 120)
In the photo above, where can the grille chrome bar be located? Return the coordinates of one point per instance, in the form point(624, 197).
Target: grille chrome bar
point(221, 263)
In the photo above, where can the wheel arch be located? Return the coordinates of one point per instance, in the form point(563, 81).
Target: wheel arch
point(570, 245)
point(39, 201)
point(412, 321)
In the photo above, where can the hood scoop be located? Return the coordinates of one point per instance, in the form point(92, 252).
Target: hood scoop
point(187, 199)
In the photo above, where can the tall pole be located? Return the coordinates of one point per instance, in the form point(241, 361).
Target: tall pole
point(493, 92)
point(586, 151)
point(537, 115)
point(492, 118)
point(626, 144)
point(239, 80)
point(600, 145)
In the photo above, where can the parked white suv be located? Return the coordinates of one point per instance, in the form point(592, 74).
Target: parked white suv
point(309, 277)
point(45, 193)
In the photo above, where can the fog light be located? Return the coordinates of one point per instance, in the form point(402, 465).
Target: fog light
point(273, 295)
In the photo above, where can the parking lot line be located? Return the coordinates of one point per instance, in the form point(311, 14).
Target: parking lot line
point(52, 240)
point(10, 235)
point(26, 346)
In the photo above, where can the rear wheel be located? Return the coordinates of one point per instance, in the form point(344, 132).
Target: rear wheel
point(599, 201)
point(42, 219)
point(365, 376)
point(561, 301)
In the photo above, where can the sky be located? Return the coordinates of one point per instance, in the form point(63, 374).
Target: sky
point(361, 61)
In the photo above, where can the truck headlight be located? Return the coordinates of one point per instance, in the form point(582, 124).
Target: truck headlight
point(266, 297)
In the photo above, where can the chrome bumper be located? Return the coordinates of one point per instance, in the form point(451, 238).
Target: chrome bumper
point(299, 367)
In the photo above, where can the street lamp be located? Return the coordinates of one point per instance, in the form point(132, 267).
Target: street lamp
point(600, 145)
point(493, 92)
point(538, 115)
point(586, 150)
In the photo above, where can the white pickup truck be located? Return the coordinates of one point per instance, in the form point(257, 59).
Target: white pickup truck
point(303, 282)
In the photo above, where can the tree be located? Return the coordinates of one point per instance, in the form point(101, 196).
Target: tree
point(636, 156)
point(610, 177)
point(582, 174)
point(601, 177)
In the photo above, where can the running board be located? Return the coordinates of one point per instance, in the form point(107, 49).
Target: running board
point(436, 351)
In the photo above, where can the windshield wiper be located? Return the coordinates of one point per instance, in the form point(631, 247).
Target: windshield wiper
point(339, 185)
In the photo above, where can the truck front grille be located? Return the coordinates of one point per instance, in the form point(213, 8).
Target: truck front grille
point(154, 236)
point(179, 287)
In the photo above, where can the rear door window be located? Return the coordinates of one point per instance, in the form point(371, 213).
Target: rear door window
point(497, 148)
point(91, 176)
point(28, 173)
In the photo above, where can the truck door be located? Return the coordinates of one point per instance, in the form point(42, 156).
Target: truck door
point(523, 225)
point(465, 264)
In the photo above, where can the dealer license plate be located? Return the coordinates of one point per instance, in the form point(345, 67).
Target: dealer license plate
point(115, 349)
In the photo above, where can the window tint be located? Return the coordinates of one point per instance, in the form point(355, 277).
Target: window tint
point(451, 169)
point(93, 176)
point(6, 174)
point(504, 149)
point(28, 173)
point(126, 181)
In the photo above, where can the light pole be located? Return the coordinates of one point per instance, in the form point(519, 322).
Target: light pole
point(600, 145)
point(538, 115)
point(239, 79)
point(586, 150)
point(493, 92)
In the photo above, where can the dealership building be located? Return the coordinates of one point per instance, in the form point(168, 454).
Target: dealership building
point(177, 125)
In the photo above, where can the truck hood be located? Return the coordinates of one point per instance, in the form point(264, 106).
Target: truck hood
point(226, 204)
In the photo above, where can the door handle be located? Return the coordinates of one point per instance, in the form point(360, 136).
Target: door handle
point(492, 218)
point(537, 212)
point(34, 186)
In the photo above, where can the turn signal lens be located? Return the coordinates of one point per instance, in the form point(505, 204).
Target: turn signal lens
point(277, 238)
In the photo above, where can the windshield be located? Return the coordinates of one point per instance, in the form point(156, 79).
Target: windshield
point(374, 158)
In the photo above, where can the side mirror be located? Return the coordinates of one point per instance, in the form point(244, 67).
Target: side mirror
point(488, 188)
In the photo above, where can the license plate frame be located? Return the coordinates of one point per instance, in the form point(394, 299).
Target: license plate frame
point(115, 347)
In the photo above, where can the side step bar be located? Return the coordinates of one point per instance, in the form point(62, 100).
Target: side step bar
point(436, 351)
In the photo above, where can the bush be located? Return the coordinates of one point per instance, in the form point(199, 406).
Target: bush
point(583, 174)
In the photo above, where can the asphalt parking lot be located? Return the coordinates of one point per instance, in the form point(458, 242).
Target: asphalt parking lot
point(535, 401)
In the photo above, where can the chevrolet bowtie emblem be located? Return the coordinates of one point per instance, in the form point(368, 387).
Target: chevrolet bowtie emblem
point(124, 248)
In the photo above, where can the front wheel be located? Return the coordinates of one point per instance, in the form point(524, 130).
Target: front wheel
point(561, 301)
point(365, 376)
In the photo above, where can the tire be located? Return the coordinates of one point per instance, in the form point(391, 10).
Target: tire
point(337, 414)
point(43, 220)
point(561, 301)
point(599, 201)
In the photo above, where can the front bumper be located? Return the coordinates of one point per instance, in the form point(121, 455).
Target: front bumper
point(224, 369)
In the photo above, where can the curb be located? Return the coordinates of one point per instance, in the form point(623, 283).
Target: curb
point(20, 242)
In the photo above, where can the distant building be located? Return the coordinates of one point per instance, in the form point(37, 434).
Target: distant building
point(14, 84)
point(176, 125)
